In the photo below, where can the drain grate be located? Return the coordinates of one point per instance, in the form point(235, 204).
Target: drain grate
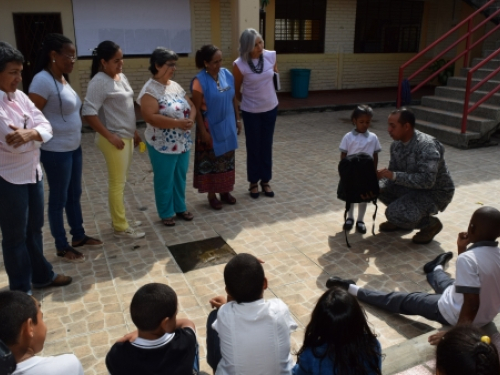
point(201, 254)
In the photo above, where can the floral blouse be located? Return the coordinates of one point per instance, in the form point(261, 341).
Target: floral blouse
point(172, 103)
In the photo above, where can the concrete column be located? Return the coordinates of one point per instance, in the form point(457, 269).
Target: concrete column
point(245, 15)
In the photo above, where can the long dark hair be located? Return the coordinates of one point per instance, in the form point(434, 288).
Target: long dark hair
point(339, 322)
point(104, 51)
point(462, 352)
point(51, 42)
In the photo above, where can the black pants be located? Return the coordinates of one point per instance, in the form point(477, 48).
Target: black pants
point(213, 343)
point(422, 304)
point(259, 132)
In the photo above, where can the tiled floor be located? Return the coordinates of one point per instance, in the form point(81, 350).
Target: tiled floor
point(298, 234)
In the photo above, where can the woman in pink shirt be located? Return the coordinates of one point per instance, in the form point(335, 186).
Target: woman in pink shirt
point(23, 128)
point(253, 80)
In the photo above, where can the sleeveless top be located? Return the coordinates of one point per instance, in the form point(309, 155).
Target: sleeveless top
point(220, 110)
point(258, 93)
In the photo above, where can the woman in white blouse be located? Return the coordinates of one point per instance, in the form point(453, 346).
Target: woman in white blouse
point(170, 115)
point(109, 110)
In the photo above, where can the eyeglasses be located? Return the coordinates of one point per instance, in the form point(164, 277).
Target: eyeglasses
point(171, 65)
point(72, 58)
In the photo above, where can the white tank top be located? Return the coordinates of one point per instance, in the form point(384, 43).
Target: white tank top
point(258, 93)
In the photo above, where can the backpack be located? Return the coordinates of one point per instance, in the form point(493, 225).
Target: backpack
point(358, 183)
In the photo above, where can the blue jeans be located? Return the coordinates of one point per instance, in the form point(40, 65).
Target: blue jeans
point(64, 175)
point(21, 222)
point(259, 132)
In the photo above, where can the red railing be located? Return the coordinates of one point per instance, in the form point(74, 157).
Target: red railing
point(466, 54)
point(469, 90)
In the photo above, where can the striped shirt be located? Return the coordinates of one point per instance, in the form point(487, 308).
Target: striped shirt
point(21, 165)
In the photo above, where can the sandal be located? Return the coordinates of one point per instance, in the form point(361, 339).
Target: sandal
point(168, 222)
point(87, 241)
point(267, 193)
point(79, 257)
point(227, 198)
point(215, 203)
point(186, 215)
point(256, 194)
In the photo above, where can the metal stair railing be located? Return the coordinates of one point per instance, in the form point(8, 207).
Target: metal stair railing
point(466, 54)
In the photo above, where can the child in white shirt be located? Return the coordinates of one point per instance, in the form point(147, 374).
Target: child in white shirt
point(356, 141)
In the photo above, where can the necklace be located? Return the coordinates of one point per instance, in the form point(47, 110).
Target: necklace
point(260, 65)
point(216, 79)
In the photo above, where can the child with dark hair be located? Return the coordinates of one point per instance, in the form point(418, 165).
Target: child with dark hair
point(472, 298)
point(253, 334)
point(23, 330)
point(162, 343)
point(338, 339)
point(359, 140)
point(464, 350)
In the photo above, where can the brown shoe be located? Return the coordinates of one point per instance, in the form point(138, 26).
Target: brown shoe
point(388, 227)
point(428, 233)
point(60, 280)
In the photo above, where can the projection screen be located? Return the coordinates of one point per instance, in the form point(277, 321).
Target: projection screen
point(138, 26)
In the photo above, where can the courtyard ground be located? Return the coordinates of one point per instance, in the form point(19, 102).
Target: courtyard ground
point(298, 234)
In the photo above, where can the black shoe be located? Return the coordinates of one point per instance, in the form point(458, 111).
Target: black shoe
point(252, 187)
point(337, 281)
point(348, 224)
point(360, 227)
point(440, 260)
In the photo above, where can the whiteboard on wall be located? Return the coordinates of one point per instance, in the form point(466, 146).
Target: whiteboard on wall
point(137, 26)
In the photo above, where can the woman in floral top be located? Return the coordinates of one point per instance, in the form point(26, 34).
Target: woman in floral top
point(170, 115)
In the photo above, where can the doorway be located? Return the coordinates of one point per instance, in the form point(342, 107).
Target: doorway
point(30, 29)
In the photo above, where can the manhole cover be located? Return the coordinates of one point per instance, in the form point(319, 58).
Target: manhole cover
point(200, 254)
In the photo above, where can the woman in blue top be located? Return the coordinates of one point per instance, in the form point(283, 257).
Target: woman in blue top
point(217, 127)
point(62, 155)
point(338, 340)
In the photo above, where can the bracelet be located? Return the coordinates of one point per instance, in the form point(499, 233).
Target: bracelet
point(238, 120)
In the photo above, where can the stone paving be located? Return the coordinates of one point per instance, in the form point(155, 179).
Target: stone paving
point(298, 234)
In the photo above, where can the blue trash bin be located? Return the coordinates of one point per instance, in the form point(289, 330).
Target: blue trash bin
point(300, 82)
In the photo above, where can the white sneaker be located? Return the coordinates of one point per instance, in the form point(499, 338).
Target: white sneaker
point(130, 233)
point(136, 223)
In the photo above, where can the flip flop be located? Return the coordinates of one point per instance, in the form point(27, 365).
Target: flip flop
point(69, 249)
point(186, 215)
point(168, 222)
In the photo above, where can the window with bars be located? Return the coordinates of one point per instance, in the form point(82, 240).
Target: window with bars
point(388, 26)
point(299, 26)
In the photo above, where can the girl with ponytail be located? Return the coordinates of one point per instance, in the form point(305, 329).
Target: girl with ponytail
point(62, 155)
point(464, 350)
point(338, 339)
point(109, 110)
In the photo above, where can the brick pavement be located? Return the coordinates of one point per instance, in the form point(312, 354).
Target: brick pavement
point(298, 234)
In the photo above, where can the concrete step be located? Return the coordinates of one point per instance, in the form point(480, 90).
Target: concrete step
point(460, 82)
point(459, 94)
point(454, 119)
point(487, 52)
point(487, 111)
point(447, 134)
point(492, 64)
point(480, 73)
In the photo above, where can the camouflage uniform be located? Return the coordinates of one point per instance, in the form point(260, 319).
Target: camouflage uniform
point(423, 185)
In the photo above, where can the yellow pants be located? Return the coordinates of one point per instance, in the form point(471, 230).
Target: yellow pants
point(118, 163)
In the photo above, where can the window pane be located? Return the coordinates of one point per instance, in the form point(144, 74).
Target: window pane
point(388, 26)
point(299, 26)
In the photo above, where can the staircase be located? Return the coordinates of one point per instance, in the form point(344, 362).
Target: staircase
point(441, 115)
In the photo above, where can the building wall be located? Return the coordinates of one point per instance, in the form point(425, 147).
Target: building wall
point(337, 68)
